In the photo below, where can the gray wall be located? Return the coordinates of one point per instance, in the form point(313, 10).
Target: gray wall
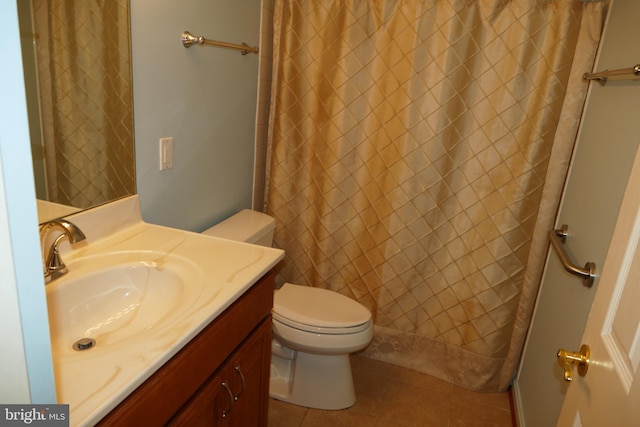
point(205, 98)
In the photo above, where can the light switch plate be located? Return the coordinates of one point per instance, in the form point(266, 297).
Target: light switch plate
point(166, 153)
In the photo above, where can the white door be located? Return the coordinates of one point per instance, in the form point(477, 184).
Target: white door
point(609, 393)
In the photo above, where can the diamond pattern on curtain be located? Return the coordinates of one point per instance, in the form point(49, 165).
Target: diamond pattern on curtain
point(86, 92)
point(409, 148)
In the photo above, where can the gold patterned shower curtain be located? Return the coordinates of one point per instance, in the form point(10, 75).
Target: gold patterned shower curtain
point(417, 152)
point(85, 91)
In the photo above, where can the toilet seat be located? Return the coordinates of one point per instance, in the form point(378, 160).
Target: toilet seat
point(319, 310)
point(321, 330)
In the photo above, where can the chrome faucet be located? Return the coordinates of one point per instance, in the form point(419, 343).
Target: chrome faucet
point(54, 267)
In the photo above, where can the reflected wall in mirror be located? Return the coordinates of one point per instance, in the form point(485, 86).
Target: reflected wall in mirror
point(81, 103)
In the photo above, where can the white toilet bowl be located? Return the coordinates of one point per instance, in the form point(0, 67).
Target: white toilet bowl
point(314, 330)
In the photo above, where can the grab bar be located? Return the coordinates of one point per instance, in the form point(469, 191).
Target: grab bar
point(188, 40)
point(557, 238)
point(632, 73)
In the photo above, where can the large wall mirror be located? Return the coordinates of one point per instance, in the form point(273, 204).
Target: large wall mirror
point(77, 61)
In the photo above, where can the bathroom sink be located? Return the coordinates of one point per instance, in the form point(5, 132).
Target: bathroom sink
point(106, 301)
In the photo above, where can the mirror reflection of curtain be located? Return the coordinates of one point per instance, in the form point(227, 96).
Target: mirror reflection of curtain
point(417, 155)
point(84, 74)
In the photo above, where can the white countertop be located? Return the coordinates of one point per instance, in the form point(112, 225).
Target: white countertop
point(95, 381)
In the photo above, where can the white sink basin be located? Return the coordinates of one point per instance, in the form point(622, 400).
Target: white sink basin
point(117, 297)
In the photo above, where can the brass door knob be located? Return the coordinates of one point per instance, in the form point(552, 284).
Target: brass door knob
point(569, 359)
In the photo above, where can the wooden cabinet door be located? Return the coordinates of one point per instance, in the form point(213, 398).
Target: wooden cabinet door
point(248, 373)
point(206, 408)
point(238, 394)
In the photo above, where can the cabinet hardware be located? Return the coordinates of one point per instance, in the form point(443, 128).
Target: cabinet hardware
point(244, 384)
point(226, 412)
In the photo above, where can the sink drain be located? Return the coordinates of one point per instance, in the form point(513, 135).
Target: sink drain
point(84, 344)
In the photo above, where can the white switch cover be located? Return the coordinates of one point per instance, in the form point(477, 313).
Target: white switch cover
point(166, 153)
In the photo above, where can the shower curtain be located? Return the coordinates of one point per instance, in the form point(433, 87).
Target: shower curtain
point(417, 152)
point(85, 91)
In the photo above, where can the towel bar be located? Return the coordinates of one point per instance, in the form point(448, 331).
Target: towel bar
point(557, 238)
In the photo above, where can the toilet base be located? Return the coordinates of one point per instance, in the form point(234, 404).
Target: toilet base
point(314, 381)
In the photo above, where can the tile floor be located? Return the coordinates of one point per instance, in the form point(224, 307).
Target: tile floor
point(390, 396)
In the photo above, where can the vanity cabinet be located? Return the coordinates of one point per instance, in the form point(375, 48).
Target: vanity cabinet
point(229, 397)
point(220, 378)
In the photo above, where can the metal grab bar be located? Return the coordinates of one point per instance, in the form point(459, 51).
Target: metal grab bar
point(557, 238)
point(188, 40)
point(632, 73)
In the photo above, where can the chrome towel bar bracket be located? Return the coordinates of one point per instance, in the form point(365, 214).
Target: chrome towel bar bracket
point(557, 238)
point(632, 73)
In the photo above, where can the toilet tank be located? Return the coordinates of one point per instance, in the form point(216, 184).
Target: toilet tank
point(246, 226)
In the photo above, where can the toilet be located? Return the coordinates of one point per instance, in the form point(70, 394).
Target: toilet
point(314, 330)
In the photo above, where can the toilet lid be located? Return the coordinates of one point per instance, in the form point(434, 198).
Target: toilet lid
point(318, 308)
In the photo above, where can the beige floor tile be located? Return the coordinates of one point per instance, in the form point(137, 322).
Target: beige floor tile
point(498, 400)
point(387, 423)
point(370, 391)
point(399, 374)
point(282, 414)
point(344, 418)
point(411, 405)
point(392, 396)
point(465, 413)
